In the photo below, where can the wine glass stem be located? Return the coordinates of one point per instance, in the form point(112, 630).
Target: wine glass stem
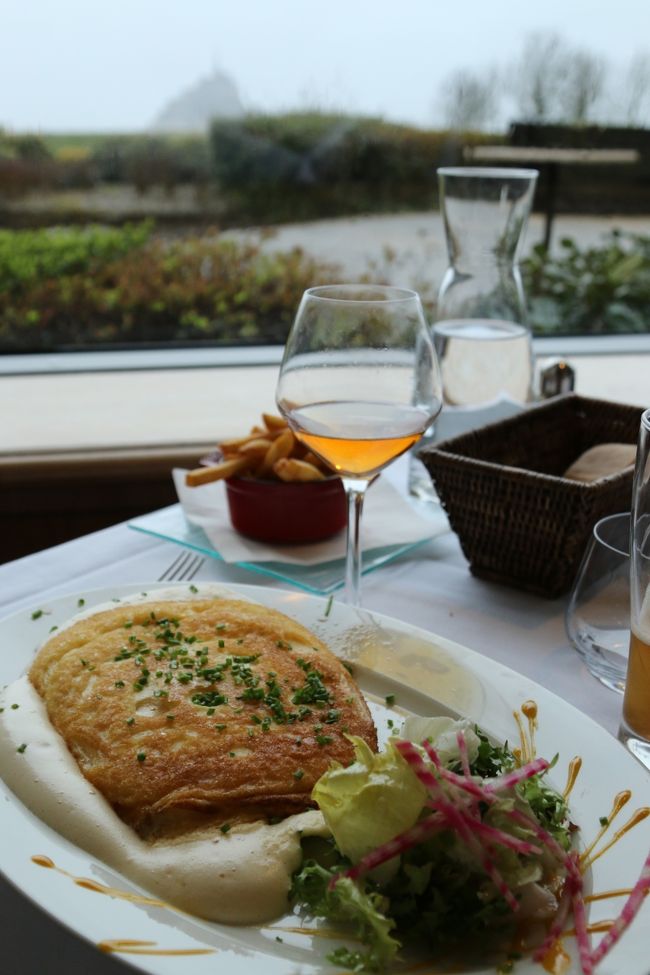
point(355, 490)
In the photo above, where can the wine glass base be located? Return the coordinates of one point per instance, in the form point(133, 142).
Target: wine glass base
point(637, 746)
point(420, 484)
point(605, 664)
point(612, 683)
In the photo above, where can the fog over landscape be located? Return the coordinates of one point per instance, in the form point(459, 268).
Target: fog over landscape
point(73, 66)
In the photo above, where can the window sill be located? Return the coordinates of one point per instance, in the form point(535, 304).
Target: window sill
point(138, 405)
point(57, 363)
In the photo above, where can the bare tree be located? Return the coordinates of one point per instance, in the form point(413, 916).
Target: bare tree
point(583, 86)
point(538, 76)
point(556, 82)
point(552, 81)
point(636, 91)
point(469, 101)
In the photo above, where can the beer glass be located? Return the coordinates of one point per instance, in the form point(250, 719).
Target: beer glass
point(635, 724)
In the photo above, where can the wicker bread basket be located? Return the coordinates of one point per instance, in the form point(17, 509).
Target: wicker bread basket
point(519, 521)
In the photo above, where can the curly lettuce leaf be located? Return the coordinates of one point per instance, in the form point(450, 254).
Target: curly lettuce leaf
point(350, 903)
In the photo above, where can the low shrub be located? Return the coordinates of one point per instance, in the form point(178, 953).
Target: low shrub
point(30, 257)
point(197, 289)
point(79, 289)
point(595, 291)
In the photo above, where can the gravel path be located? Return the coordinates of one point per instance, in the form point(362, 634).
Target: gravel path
point(407, 248)
point(410, 248)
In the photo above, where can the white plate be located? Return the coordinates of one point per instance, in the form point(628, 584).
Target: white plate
point(391, 658)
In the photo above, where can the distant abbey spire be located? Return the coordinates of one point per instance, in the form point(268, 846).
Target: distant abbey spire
point(215, 96)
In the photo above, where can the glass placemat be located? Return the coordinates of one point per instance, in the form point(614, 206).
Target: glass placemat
point(321, 579)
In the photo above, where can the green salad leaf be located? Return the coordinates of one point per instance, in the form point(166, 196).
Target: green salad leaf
point(370, 801)
point(439, 890)
point(349, 902)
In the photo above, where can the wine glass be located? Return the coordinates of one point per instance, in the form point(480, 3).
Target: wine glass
point(359, 384)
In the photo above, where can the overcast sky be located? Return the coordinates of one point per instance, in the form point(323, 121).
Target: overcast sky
point(84, 65)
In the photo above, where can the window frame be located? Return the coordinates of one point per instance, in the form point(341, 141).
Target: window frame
point(54, 363)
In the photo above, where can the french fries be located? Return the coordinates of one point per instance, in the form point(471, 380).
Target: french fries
point(297, 470)
point(280, 449)
point(227, 468)
point(269, 452)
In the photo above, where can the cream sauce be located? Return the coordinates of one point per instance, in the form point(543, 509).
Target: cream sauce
point(241, 877)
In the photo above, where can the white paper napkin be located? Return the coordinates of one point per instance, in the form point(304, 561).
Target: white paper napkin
point(388, 519)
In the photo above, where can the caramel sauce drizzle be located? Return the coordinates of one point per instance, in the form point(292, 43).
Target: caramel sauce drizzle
point(528, 749)
point(521, 754)
point(529, 710)
point(591, 854)
point(126, 946)
point(98, 888)
point(599, 927)
point(575, 766)
point(556, 960)
point(118, 945)
point(634, 820)
point(43, 861)
point(606, 894)
point(620, 799)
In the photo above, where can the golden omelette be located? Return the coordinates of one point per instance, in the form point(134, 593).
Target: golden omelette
point(186, 713)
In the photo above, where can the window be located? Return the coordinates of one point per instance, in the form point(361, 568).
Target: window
point(142, 141)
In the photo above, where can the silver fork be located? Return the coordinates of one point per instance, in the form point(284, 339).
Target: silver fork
point(183, 568)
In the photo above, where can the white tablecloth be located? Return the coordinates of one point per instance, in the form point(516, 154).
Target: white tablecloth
point(432, 588)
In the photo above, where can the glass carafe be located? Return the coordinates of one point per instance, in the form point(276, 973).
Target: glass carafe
point(480, 328)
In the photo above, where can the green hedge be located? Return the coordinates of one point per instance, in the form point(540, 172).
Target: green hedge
point(302, 166)
point(122, 287)
point(77, 162)
point(30, 257)
point(187, 290)
point(148, 161)
point(262, 169)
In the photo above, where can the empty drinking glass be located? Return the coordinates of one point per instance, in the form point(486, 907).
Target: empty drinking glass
point(598, 613)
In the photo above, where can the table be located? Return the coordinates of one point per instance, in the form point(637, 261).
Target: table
point(432, 589)
point(551, 159)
